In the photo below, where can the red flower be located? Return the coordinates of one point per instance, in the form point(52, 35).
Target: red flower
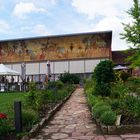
point(3, 116)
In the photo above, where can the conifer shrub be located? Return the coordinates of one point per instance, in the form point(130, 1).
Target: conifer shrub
point(108, 118)
point(103, 75)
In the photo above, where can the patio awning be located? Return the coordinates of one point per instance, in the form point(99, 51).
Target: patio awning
point(7, 71)
point(120, 67)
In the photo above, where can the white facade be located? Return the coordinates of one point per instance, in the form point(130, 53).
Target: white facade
point(58, 67)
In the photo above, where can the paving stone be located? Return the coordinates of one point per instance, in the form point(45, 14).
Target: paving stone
point(113, 137)
point(99, 138)
point(74, 122)
point(59, 136)
point(84, 138)
point(67, 130)
point(131, 138)
point(69, 139)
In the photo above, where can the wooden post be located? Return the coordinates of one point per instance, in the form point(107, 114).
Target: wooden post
point(18, 116)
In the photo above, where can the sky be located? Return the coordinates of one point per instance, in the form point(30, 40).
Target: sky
point(33, 18)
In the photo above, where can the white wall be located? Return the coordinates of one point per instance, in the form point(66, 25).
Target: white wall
point(73, 66)
point(90, 65)
point(32, 68)
point(77, 66)
point(61, 67)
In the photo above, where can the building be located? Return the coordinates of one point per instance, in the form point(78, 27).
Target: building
point(74, 53)
point(120, 58)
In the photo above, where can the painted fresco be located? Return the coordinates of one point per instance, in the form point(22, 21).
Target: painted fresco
point(56, 48)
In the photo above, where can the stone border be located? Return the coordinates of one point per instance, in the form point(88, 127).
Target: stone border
point(46, 119)
point(118, 129)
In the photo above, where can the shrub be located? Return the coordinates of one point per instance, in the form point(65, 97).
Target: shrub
point(115, 105)
point(130, 106)
point(33, 99)
point(59, 84)
point(104, 72)
point(88, 83)
point(100, 110)
point(133, 83)
point(98, 104)
point(69, 78)
point(108, 118)
point(89, 91)
point(92, 100)
point(102, 89)
point(4, 127)
point(103, 75)
point(124, 75)
point(29, 117)
point(119, 90)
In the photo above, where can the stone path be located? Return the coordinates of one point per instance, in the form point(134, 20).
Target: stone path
point(73, 122)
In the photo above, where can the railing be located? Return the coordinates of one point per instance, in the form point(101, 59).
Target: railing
point(18, 86)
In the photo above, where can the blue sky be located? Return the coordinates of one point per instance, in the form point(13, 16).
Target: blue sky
point(32, 18)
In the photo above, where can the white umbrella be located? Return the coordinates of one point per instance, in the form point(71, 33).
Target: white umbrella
point(119, 67)
point(7, 71)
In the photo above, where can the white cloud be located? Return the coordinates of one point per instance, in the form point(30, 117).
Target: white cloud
point(4, 27)
point(22, 9)
point(109, 8)
point(113, 13)
point(39, 29)
point(115, 25)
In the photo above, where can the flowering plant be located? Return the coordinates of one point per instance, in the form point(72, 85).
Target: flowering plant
point(3, 116)
point(4, 128)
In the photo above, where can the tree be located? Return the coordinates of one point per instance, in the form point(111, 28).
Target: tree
point(132, 33)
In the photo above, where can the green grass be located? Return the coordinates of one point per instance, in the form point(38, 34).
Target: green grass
point(7, 102)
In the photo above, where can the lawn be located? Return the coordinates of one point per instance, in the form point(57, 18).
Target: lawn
point(7, 101)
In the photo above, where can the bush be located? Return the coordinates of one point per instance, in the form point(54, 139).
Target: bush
point(89, 91)
point(124, 75)
point(4, 127)
point(119, 90)
point(55, 84)
point(29, 117)
point(100, 110)
point(102, 89)
point(33, 99)
point(104, 75)
point(88, 83)
point(131, 106)
point(59, 84)
point(98, 104)
point(92, 100)
point(115, 105)
point(133, 83)
point(69, 78)
point(108, 118)
point(104, 72)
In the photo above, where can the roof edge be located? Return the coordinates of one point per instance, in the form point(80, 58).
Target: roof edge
point(53, 36)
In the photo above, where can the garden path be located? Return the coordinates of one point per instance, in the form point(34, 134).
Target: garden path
point(73, 122)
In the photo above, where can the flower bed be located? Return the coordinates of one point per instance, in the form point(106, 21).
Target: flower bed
point(109, 98)
point(108, 123)
point(4, 128)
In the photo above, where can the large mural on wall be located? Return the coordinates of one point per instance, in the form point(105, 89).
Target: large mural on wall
point(57, 48)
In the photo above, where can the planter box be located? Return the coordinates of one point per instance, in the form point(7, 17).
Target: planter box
point(118, 129)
